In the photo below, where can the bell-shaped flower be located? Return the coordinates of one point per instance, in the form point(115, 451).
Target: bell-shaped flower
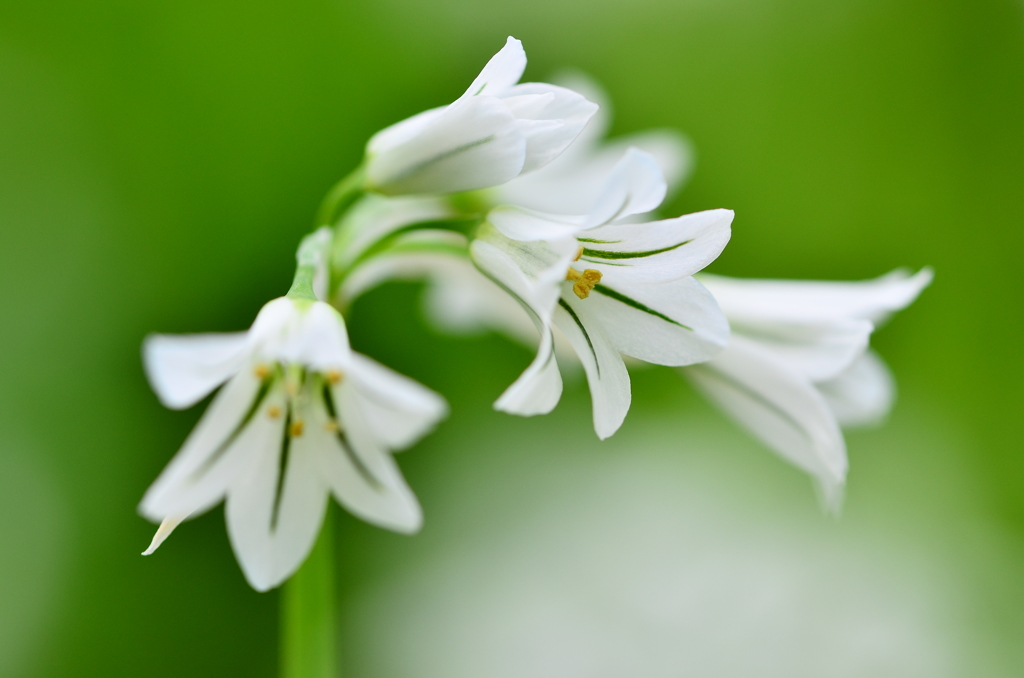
point(611, 287)
point(495, 131)
point(798, 366)
point(571, 183)
point(301, 418)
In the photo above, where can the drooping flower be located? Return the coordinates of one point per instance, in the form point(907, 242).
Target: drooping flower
point(495, 131)
point(301, 417)
point(634, 296)
point(571, 183)
point(798, 366)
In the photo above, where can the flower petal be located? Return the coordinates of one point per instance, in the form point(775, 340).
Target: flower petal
point(565, 112)
point(778, 406)
point(359, 470)
point(163, 532)
point(606, 373)
point(819, 351)
point(674, 323)
point(317, 339)
point(539, 388)
point(635, 186)
point(863, 394)
point(398, 410)
point(529, 226)
point(183, 369)
point(815, 301)
point(275, 508)
point(657, 251)
point(501, 72)
point(474, 143)
point(198, 476)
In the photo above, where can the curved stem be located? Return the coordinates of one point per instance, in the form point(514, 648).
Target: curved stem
point(308, 637)
point(341, 196)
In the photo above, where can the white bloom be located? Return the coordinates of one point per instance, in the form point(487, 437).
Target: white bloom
point(636, 295)
point(798, 366)
point(495, 131)
point(301, 417)
point(571, 183)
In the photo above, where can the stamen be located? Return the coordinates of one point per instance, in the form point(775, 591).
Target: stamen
point(331, 426)
point(261, 371)
point(584, 282)
point(334, 376)
point(297, 427)
point(273, 411)
point(579, 253)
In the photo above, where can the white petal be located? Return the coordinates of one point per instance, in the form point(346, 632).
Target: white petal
point(565, 111)
point(402, 131)
point(474, 143)
point(657, 251)
point(163, 532)
point(317, 339)
point(275, 508)
point(583, 84)
point(398, 410)
point(863, 394)
point(635, 186)
point(199, 474)
point(674, 323)
point(359, 470)
point(799, 300)
point(461, 300)
point(819, 351)
point(501, 72)
point(606, 373)
point(183, 369)
point(572, 183)
point(778, 406)
point(539, 388)
point(526, 225)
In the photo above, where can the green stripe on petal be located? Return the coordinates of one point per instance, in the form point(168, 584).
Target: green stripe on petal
point(609, 254)
point(629, 301)
point(586, 335)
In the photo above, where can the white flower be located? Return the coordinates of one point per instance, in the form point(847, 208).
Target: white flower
point(570, 184)
point(494, 132)
point(798, 366)
point(302, 417)
point(635, 295)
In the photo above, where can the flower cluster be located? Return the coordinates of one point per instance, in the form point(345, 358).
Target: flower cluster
point(521, 219)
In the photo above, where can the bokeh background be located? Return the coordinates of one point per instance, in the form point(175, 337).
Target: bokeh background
point(160, 160)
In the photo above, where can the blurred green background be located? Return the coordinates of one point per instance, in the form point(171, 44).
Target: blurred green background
point(159, 161)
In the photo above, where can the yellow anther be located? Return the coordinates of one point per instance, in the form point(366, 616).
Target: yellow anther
point(579, 253)
point(334, 376)
point(273, 411)
point(331, 426)
point(297, 428)
point(291, 387)
point(261, 371)
point(584, 282)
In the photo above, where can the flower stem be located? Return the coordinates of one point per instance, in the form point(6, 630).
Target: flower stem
point(308, 636)
point(341, 196)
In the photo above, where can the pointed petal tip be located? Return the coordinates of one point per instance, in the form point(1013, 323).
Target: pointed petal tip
point(162, 532)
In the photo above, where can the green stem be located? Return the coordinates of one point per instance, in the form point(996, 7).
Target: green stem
point(308, 648)
point(341, 196)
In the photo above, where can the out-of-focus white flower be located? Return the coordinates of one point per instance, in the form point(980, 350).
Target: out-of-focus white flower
point(798, 365)
point(572, 182)
point(494, 132)
point(301, 417)
point(635, 295)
